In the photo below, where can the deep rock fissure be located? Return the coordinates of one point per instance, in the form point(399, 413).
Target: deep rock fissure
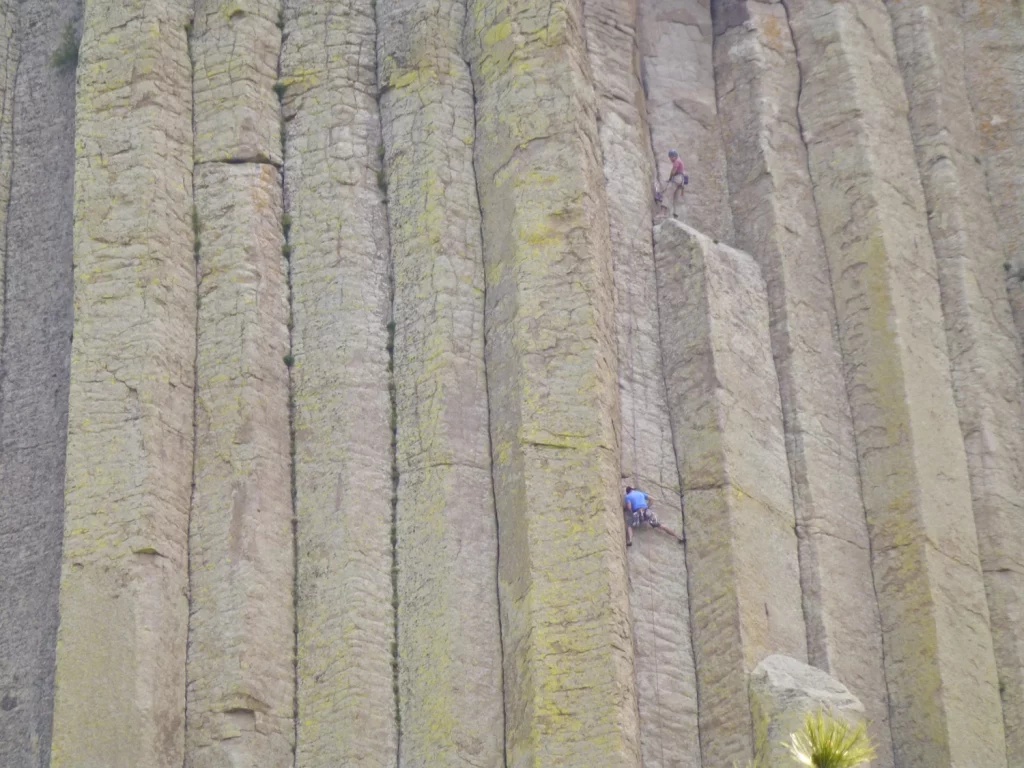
point(839, 336)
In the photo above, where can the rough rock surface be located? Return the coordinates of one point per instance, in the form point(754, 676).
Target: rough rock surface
point(120, 679)
point(236, 45)
point(341, 303)
point(665, 677)
point(776, 221)
point(726, 417)
point(782, 693)
point(940, 669)
point(34, 374)
point(675, 53)
point(993, 57)
point(449, 637)
point(8, 69)
point(241, 674)
point(570, 696)
point(986, 366)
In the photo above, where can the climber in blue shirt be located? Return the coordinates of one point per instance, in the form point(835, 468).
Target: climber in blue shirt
point(638, 505)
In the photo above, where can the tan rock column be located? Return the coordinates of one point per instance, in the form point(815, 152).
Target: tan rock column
point(241, 673)
point(665, 677)
point(723, 397)
point(570, 697)
point(341, 304)
point(777, 222)
point(988, 381)
point(940, 668)
point(36, 225)
point(675, 54)
point(120, 682)
point(993, 56)
point(449, 636)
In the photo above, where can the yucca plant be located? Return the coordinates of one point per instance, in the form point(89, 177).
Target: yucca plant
point(830, 742)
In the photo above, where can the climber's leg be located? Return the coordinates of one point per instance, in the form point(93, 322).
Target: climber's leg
point(656, 525)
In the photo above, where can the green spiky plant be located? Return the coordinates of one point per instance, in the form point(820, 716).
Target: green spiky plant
point(830, 742)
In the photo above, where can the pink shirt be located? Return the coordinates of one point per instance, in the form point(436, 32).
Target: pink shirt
point(678, 169)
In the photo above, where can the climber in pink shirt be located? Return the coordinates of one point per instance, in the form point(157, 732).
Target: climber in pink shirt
point(678, 178)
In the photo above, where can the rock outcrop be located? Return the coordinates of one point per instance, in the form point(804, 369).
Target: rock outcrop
point(120, 667)
point(331, 333)
point(36, 178)
point(449, 640)
point(723, 398)
point(777, 222)
point(783, 691)
point(341, 307)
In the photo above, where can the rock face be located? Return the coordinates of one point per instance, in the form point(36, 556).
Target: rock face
point(940, 670)
point(34, 376)
point(332, 332)
point(120, 667)
point(449, 641)
point(776, 220)
point(341, 306)
point(782, 692)
point(723, 397)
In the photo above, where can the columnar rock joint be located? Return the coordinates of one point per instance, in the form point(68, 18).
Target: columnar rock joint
point(449, 642)
point(723, 399)
point(777, 222)
point(241, 676)
point(120, 680)
point(341, 305)
point(665, 678)
point(987, 376)
point(570, 696)
point(679, 78)
point(36, 203)
point(944, 701)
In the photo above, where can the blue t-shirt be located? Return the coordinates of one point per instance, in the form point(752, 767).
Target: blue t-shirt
point(637, 500)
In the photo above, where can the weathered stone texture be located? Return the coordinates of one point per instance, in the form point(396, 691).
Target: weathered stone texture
point(993, 57)
point(570, 697)
point(726, 418)
point(449, 638)
point(241, 675)
point(940, 668)
point(776, 221)
point(986, 368)
point(675, 53)
point(120, 680)
point(341, 302)
point(34, 374)
point(8, 68)
point(783, 691)
point(665, 678)
point(235, 49)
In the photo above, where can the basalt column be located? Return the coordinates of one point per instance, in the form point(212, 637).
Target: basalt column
point(449, 641)
point(986, 369)
point(120, 681)
point(993, 57)
point(34, 374)
point(723, 398)
point(8, 69)
point(853, 112)
point(341, 304)
point(676, 62)
point(666, 684)
point(777, 223)
point(241, 674)
point(570, 697)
